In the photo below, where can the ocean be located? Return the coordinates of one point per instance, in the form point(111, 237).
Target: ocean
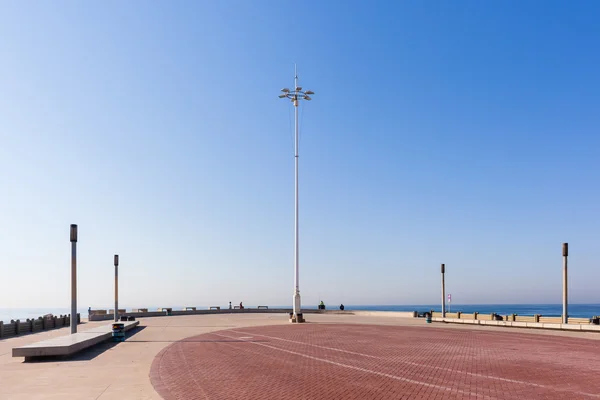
point(550, 310)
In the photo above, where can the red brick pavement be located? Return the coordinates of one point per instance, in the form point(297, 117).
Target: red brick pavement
point(321, 361)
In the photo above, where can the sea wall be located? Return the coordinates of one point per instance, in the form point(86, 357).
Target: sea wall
point(537, 318)
point(102, 315)
point(19, 327)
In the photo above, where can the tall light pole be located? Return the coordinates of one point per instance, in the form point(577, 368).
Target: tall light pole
point(443, 291)
point(565, 313)
point(295, 96)
point(73, 279)
point(116, 288)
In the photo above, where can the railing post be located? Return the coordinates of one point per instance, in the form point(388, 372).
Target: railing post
point(17, 323)
point(1, 329)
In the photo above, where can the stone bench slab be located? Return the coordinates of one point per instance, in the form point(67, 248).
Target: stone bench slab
point(69, 344)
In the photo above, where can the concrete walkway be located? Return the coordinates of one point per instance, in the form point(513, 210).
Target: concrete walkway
point(121, 370)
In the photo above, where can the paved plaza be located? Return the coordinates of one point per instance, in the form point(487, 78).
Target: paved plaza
point(263, 356)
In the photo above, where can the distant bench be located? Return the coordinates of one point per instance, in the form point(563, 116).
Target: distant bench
point(189, 309)
point(263, 307)
point(579, 320)
point(218, 308)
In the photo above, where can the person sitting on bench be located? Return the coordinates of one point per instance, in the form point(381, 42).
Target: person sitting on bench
point(342, 307)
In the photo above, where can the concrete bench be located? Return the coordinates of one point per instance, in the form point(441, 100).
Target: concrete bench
point(263, 307)
point(218, 308)
point(189, 309)
point(525, 318)
point(578, 320)
point(70, 344)
point(236, 307)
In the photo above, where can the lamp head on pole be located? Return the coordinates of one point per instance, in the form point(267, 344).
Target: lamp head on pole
point(116, 260)
point(443, 268)
point(73, 233)
point(565, 249)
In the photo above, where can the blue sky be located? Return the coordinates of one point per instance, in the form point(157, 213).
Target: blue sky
point(462, 133)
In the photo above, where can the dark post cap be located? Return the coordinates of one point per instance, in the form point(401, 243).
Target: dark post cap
point(116, 260)
point(73, 233)
point(565, 249)
point(443, 268)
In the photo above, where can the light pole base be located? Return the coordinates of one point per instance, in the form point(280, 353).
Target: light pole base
point(296, 315)
point(297, 318)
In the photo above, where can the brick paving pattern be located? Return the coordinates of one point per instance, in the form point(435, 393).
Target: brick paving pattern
point(322, 361)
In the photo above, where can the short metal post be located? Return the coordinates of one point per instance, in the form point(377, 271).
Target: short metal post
point(116, 287)
point(565, 314)
point(443, 291)
point(73, 278)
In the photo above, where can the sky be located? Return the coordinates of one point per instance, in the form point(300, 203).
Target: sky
point(464, 133)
